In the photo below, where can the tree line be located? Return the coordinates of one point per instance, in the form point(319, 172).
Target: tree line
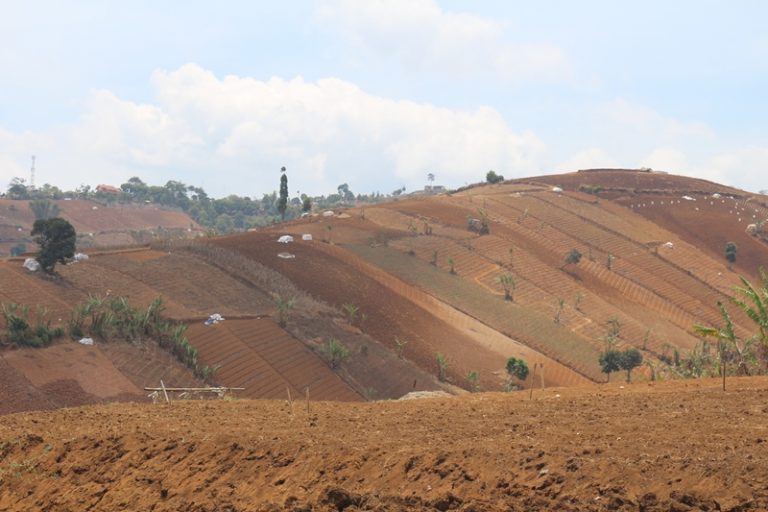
point(227, 214)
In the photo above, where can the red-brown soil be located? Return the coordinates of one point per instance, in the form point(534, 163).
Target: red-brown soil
point(618, 181)
point(259, 356)
point(669, 446)
point(97, 224)
point(393, 262)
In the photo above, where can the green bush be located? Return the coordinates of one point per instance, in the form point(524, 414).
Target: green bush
point(22, 332)
point(336, 352)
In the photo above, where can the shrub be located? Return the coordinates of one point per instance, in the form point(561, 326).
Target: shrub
point(517, 368)
point(473, 377)
point(572, 258)
point(442, 367)
point(336, 352)
point(350, 310)
point(400, 343)
point(284, 307)
point(22, 332)
point(507, 282)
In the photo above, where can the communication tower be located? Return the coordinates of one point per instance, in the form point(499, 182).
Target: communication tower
point(32, 174)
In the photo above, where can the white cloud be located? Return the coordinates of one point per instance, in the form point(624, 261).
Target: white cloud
point(590, 158)
point(745, 167)
point(424, 37)
point(640, 118)
point(667, 159)
point(231, 135)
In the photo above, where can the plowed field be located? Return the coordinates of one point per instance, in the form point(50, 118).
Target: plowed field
point(672, 446)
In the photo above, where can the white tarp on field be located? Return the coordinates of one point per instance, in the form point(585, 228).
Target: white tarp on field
point(31, 264)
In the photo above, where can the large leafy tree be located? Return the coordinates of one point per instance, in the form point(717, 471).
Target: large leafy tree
point(56, 238)
point(631, 358)
point(610, 361)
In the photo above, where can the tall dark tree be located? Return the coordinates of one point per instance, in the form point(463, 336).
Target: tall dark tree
point(282, 203)
point(56, 238)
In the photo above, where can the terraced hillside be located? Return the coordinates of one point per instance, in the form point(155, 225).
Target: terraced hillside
point(403, 282)
point(97, 224)
point(637, 272)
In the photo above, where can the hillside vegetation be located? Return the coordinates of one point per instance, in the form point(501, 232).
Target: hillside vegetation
point(428, 293)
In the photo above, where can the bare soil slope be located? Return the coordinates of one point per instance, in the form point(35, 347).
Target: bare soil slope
point(418, 273)
point(97, 224)
point(420, 284)
point(673, 446)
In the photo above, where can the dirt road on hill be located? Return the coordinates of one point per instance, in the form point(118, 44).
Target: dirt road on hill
point(671, 446)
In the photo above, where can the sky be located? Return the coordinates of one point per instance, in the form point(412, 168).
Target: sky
point(379, 94)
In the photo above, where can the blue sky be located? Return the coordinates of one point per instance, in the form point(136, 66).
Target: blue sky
point(379, 93)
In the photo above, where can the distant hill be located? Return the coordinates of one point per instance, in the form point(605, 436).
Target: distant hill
point(400, 282)
point(97, 224)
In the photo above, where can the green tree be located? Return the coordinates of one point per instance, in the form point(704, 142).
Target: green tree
point(18, 189)
point(631, 358)
point(492, 177)
point(517, 368)
point(306, 204)
point(56, 238)
point(730, 252)
point(572, 258)
point(282, 203)
point(610, 361)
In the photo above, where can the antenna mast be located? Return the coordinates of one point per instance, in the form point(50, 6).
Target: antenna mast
point(32, 174)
